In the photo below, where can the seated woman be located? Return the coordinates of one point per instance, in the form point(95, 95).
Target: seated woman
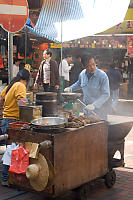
point(12, 96)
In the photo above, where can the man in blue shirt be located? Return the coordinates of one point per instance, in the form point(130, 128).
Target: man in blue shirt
point(95, 86)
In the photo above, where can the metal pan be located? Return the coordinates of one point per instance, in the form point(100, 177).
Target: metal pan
point(48, 123)
point(71, 96)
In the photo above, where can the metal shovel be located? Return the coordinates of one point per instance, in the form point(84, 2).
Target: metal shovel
point(84, 105)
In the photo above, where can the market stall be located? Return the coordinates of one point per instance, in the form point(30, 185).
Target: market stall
point(65, 153)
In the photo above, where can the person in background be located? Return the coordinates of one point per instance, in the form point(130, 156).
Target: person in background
point(75, 71)
point(16, 67)
point(21, 65)
point(95, 86)
point(48, 73)
point(115, 79)
point(11, 98)
point(64, 69)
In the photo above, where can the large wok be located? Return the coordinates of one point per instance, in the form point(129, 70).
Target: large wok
point(118, 131)
point(48, 123)
point(119, 127)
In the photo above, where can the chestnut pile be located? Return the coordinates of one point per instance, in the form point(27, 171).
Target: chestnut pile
point(77, 122)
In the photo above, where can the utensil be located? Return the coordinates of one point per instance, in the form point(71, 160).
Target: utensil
point(48, 123)
point(84, 105)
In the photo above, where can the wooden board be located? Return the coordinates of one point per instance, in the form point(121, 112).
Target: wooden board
point(80, 156)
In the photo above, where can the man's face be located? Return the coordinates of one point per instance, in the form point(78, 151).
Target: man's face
point(45, 55)
point(17, 63)
point(91, 66)
point(69, 59)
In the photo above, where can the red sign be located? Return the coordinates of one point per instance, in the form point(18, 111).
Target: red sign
point(13, 14)
point(130, 46)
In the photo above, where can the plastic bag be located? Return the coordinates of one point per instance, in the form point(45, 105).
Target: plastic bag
point(19, 160)
point(7, 155)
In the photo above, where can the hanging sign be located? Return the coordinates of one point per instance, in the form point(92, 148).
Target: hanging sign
point(55, 45)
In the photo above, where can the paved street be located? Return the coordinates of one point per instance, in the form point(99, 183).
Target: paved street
point(122, 190)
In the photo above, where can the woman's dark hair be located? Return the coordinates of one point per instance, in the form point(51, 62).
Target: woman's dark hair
point(21, 75)
point(21, 66)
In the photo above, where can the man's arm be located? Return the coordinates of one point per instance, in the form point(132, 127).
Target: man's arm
point(66, 67)
point(77, 84)
point(37, 76)
point(56, 71)
point(119, 76)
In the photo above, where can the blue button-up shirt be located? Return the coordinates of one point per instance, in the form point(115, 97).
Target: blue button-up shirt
point(95, 89)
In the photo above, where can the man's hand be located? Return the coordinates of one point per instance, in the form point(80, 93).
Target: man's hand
point(57, 87)
point(72, 64)
point(35, 85)
point(68, 90)
point(90, 107)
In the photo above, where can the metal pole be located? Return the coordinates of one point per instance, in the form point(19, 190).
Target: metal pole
point(61, 47)
point(10, 56)
point(25, 44)
point(61, 36)
point(62, 78)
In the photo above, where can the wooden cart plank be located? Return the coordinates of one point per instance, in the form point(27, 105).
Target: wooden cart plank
point(80, 156)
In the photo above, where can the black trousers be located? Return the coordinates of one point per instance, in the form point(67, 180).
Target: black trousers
point(48, 88)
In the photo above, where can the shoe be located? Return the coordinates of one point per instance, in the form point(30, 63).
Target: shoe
point(5, 183)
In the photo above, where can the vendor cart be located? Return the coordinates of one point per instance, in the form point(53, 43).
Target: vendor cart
point(75, 157)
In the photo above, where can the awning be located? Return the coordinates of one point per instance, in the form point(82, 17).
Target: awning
point(129, 14)
point(64, 20)
point(126, 27)
point(29, 23)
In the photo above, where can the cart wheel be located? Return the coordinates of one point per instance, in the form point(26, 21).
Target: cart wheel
point(82, 192)
point(110, 178)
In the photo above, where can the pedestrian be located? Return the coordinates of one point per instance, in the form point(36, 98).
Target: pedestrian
point(95, 86)
point(115, 79)
point(11, 97)
point(75, 71)
point(64, 69)
point(16, 67)
point(48, 73)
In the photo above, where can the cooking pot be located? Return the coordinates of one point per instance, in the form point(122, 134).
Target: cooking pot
point(48, 123)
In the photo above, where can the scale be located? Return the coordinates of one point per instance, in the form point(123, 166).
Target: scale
point(70, 103)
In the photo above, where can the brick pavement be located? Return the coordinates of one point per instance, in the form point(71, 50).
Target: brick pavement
point(122, 190)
